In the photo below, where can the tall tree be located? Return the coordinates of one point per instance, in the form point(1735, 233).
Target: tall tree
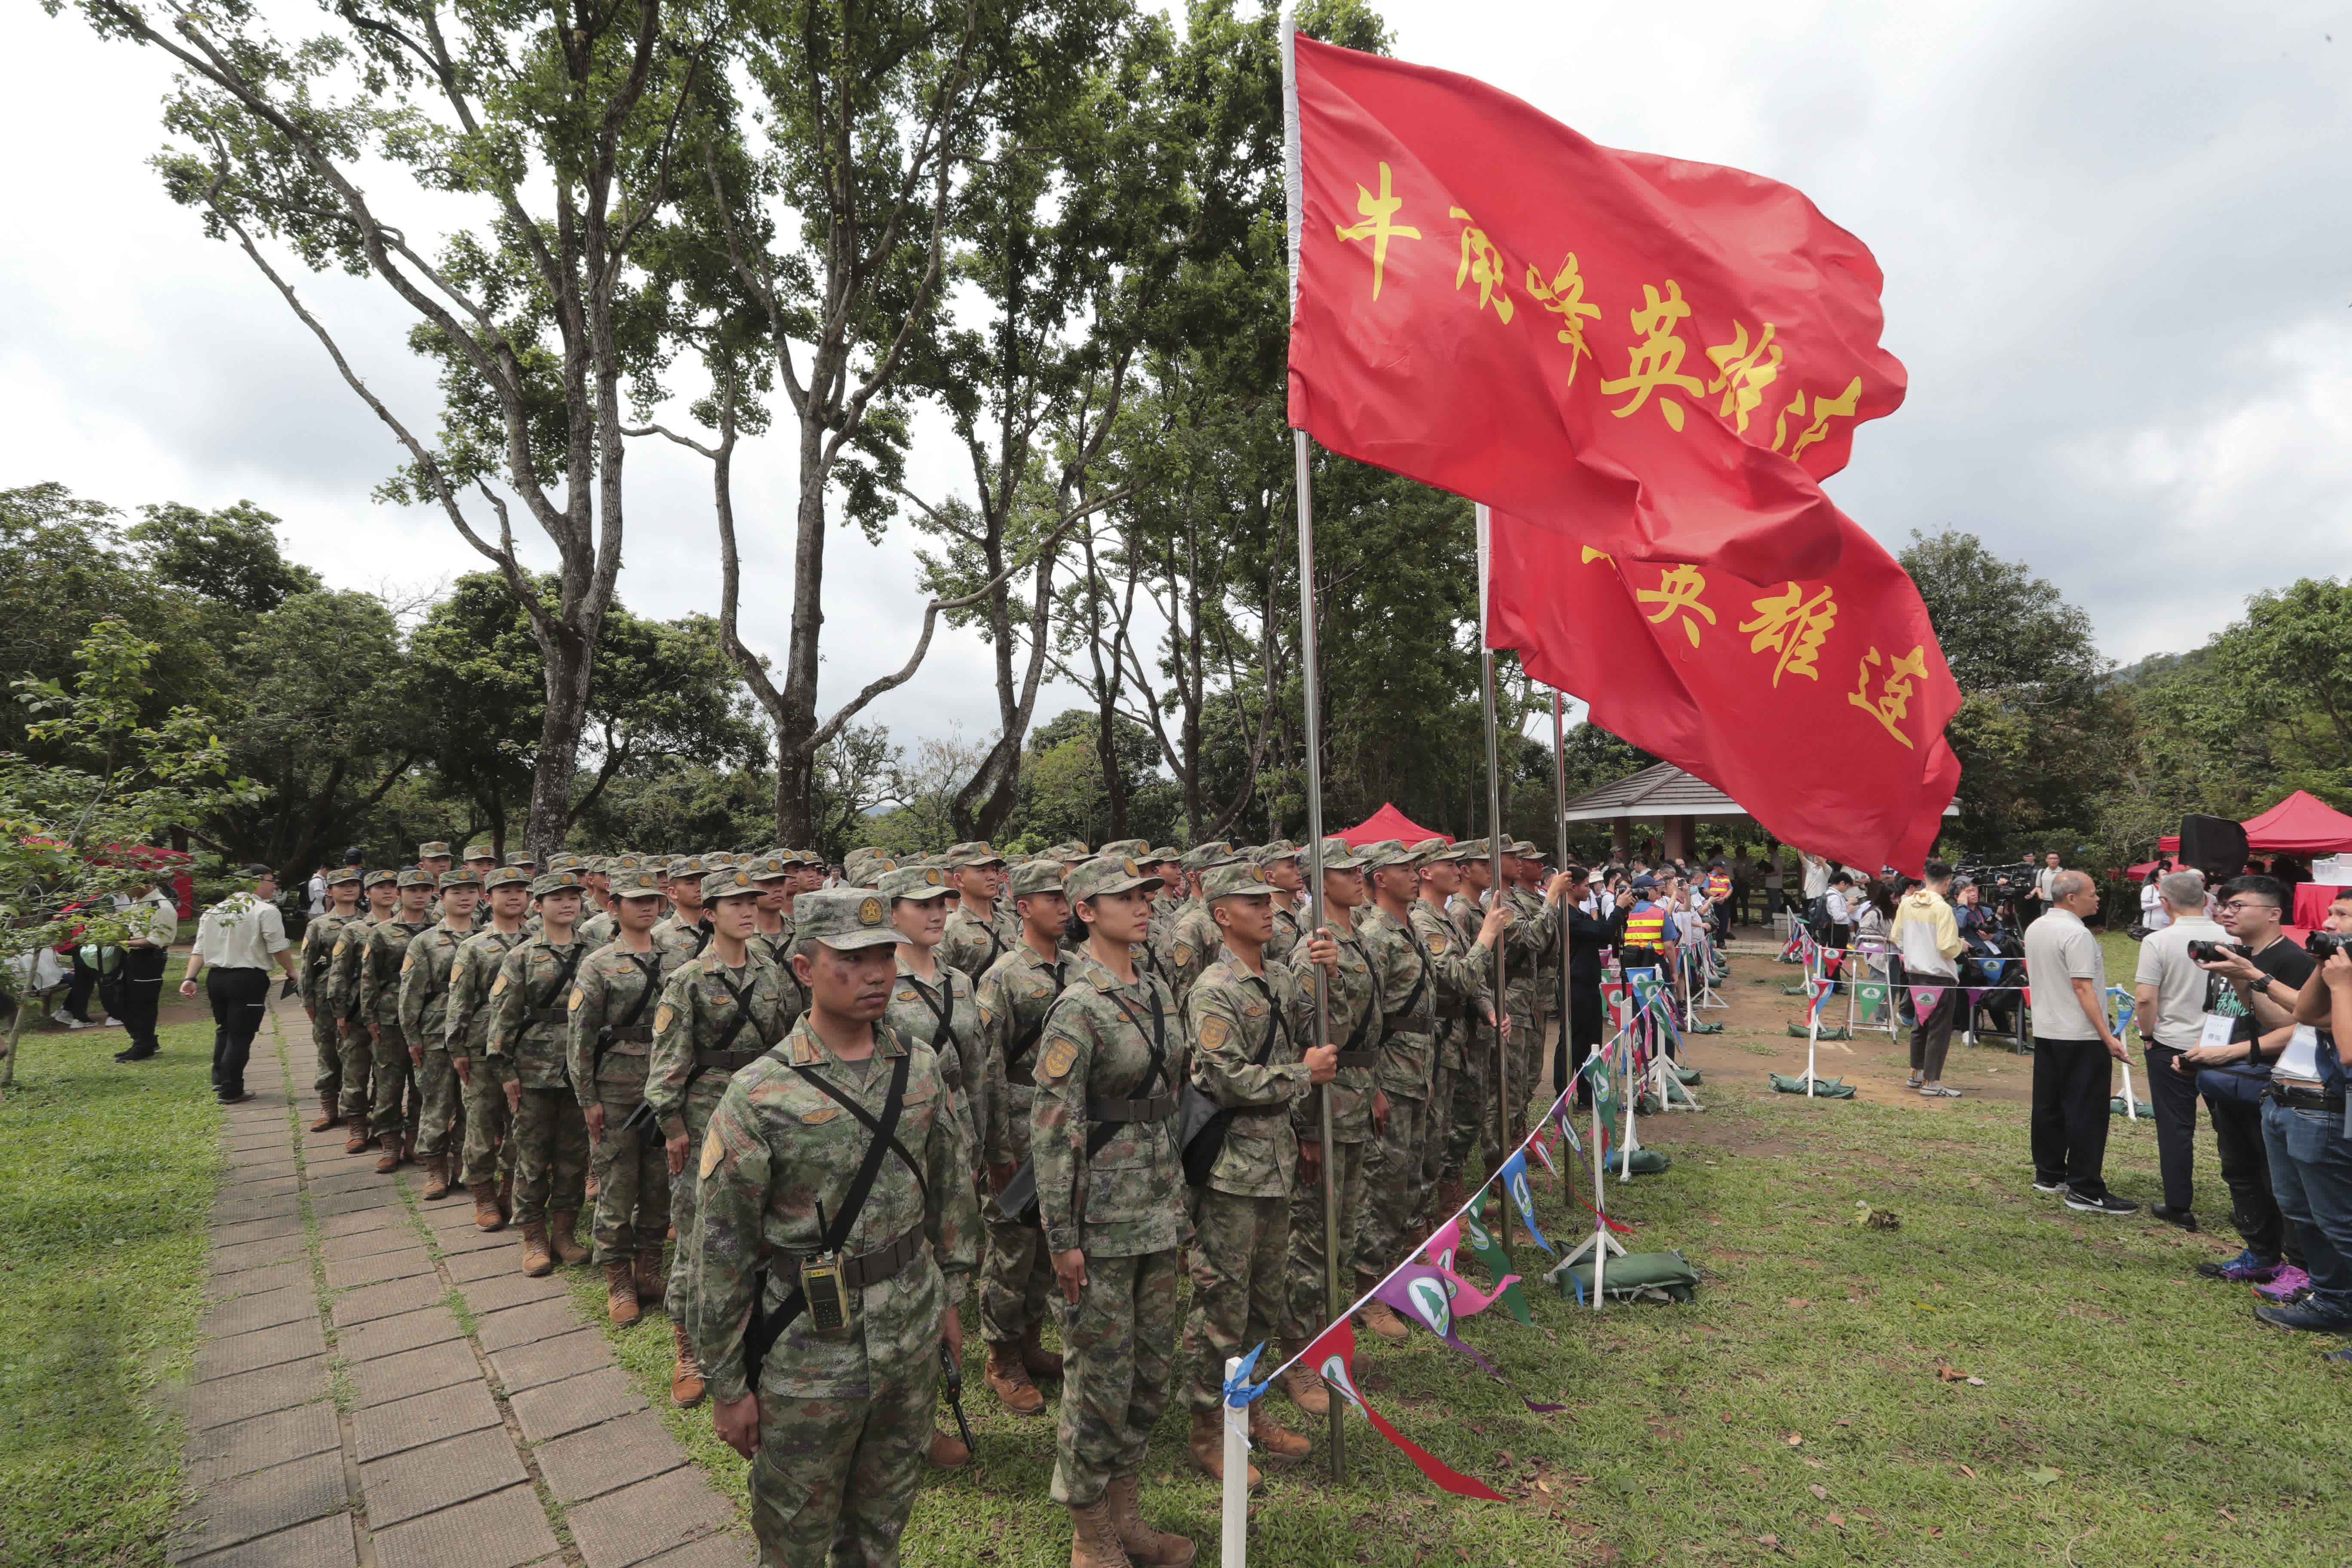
point(557, 124)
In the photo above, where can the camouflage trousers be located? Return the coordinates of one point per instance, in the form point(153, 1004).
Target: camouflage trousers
point(442, 1122)
point(551, 1156)
point(632, 1194)
point(1524, 1058)
point(490, 1127)
point(1453, 1104)
point(701, 1099)
point(329, 1080)
point(394, 1090)
point(1016, 1275)
point(358, 1055)
point(833, 1479)
point(1309, 1309)
point(1392, 1187)
point(1118, 1363)
point(1241, 1295)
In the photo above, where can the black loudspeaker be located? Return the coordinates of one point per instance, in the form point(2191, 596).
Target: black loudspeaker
point(2213, 845)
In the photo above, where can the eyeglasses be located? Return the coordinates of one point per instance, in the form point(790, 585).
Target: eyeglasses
point(2239, 906)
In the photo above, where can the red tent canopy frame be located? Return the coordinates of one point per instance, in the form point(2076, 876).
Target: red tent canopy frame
point(2301, 823)
point(1388, 823)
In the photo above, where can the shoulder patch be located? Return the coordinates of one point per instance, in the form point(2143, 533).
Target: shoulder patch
point(408, 962)
point(577, 993)
point(662, 1015)
point(1436, 942)
point(825, 1112)
point(1181, 955)
point(713, 1150)
point(498, 986)
point(1214, 1031)
point(1061, 1055)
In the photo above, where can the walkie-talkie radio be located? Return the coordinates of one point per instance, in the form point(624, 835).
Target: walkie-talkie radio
point(824, 1286)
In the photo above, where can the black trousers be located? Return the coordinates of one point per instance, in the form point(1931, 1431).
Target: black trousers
point(1931, 1037)
point(2070, 1113)
point(1586, 1024)
point(239, 997)
point(77, 992)
point(2174, 1095)
point(140, 989)
point(2246, 1171)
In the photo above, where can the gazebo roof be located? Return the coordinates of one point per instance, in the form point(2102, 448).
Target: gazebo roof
point(1658, 792)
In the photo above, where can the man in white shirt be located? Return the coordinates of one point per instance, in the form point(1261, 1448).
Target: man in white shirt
point(154, 924)
point(2072, 1046)
point(237, 942)
point(2172, 996)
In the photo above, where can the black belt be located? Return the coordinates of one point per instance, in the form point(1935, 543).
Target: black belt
point(883, 1262)
point(1021, 1072)
point(1159, 1108)
point(733, 1061)
point(633, 1033)
point(2304, 1099)
point(1352, 1059)
point(545, 1016)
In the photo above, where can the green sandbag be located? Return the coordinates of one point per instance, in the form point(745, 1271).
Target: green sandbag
point(1824, 1087)
point(1837, 1034)
point(1691, 1075)
point(1635, 1274)
point(1645, 1162)
point(1796, 990)
point(1707, 1028)
point(2115, 1108)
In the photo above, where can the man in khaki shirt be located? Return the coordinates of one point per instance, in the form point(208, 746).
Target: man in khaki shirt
point(238, 941)
point(2072, 1045)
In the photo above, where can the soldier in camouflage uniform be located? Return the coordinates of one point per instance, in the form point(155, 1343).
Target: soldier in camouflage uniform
point(600, 925)
point(1257, 1055)
point(934, 1002)
point(317, 958)
point(835, 1424)
point(1191, 943)
point(688, 929)
point(481, 860)
point(609, 1032)
point(719, 1010)
point(1356, 1108)
point(528, 1038)
point(1462, 973)
point(423, 1005)
point(1281, 863)
point(394, 1116)
point(487, 1169)
point(1014, 1276)
point(1102, 1131)
point(982, 928)
point(774, 934)
point(343, 994)
point(433, 859)
point(1530, 975)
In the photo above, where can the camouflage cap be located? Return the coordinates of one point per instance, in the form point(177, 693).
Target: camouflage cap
point(503, 877)
point(1129, 849)
point(549, 882)
point(770, 867)
point(1201, 857)
point(1095, 878)
point(1236, 877)
point(978, 852)
point(381, 879)
point(1036, 877)
point(1339, 854)
point(635, 883)
point(718, 859)
point(921, 883)
point(460, 878)
point(688, 865)
point(433, 849)
point(845, 918)
point(481, 852)
point(1466, 849)
point(1070, 850)
point(727, 882)
point(341, 874)
point(564, 861)
point(1525, 850)
point(1280, 850)
point(1429, 849)
point(1386, 853)
point(1162, 856)
point(522, 858)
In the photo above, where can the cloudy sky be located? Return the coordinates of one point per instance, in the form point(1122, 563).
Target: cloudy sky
point(2115, 241)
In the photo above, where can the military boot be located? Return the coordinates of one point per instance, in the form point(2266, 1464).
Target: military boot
point(393, 1153)
point(1039, 1360)
point(1452, 1196)
point(1094, 1543)
point(1153, 1547)
point(536, 1262)
point(362, 1140)
point(488, 1215)
point(651, 1286)
point(506, 1191)
point(620, 1293)
point(1305, 1389)
point(1376, 1316)
point(686, 1376)
point(1205, 1450)
point(436, 1176)
point(561, 1224)
point(329, 1114)
point(1280, 1445)
point(1008, 1381)
point(946, 1452)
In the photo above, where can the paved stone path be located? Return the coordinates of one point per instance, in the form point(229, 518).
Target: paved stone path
point(344, 1416)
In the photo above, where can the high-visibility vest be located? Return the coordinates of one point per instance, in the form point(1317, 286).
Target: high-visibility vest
point(1718, 884)
point(1646, 926)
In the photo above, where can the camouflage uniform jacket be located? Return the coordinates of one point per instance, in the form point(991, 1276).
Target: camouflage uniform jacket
point(689, 939)
point(1015, 997)
point(1531, 953)
point(1234, 1018)
point(1098, 1043)
point(1355, 1026)
point(779, 1148)
point(1406, 994)
point(973, 945)
point(342, 985)
point(527, 1009)
point(620, 988)
point(915, 1007)
point(1289, 937)
point(466, 1025)
point(380, 966)
point(1459, 974)
point(776, 946)
point(1193, 942)
point(697, 1006)
point(319, 957)
point(596, 929)
point(424, 976)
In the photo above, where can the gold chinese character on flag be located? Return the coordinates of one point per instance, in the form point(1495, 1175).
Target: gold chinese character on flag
point(1743, 372)
point(1793, 626)
point(1677, 592)
point(1824, 409)
point(1378, 226)
point(1656, 361)
point(1893, 703)
point(1483, 264)
point(1564, 297)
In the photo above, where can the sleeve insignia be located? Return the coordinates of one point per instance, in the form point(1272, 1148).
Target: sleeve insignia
point(1181, 955)
point(1061, 1055)
point(1215, 1032)
point(498, 986)
point(662, 1015)
point(1254, 1009)
point(577, 993)
point(820, 1114)
point(907, 995)
point(1436, 943)
point(713, 1150)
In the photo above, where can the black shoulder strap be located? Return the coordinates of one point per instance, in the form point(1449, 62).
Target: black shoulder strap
point(945, 1014)
point(1026, 1041)
point(562, 975)
point(742, 1016)
point(648, 963)
point(1103, 1132)
point(1278, 1028)
point(1420, 984)
point(886, 1137)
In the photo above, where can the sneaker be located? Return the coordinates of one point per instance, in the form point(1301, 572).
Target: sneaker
point(239, 1098)
point(2247, 1267)
point(2105, 1203)
point(110, 1023)
point(2283, 1285)
point(2311, 1319)
point(2052, 1184)
point(78, 1024)
point(1937, 1091)
point(135, 1055)
point(2181, 1217)
point(1914, 1080)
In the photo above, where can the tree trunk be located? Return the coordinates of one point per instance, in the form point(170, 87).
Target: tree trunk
point(796, 724)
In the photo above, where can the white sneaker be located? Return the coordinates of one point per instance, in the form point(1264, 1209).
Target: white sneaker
point(107, 1024)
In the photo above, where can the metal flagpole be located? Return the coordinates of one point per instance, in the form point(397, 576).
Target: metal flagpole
point(1495, 889)
point(1302, 449)
point(1567, 940)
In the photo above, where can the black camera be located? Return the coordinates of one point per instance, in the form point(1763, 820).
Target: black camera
point(2214, 952)
point(2324, 944)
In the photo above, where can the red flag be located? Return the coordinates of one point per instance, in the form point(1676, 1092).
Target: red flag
point(1819, 704)
point(1330, 1355)
point(1660, 357)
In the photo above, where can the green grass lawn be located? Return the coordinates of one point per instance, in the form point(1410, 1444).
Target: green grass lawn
point(107, 1175)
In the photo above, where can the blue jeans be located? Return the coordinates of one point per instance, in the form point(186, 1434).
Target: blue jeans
point(2310, 1175)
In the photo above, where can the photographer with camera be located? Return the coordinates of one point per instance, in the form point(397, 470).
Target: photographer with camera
point(2171, 1001)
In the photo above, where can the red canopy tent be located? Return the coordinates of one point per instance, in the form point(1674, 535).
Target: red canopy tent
point(1388, 823)
point(2301, 823)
